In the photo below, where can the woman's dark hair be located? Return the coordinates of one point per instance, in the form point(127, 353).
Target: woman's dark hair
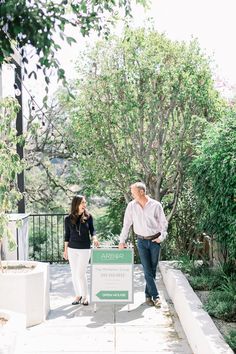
point(76, 201)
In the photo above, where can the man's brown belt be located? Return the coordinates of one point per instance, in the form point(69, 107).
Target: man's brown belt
point(149, 237)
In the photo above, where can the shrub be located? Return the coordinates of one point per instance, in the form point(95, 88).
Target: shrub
point(206, 281)
point(231, 339)
point(213, 175)
point(221, 304)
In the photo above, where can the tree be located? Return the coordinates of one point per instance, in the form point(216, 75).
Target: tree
point(142, 103)
point(33, 23)
point(50, 160)
point(213, 173)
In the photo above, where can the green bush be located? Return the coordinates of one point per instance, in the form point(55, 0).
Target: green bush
point(183, 241)
point(213, 175)
point(206, 278)
point(203, 277)
point(205, 281)
point(231, 339)
point(109, 225)
point(221, 304)
point(193, 267)
point(229, 268)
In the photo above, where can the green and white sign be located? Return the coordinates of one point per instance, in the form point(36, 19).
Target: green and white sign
point(112, 275)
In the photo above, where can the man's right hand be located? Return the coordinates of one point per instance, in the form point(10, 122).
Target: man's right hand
point(122, 246)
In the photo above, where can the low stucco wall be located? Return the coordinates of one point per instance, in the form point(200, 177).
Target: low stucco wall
point(203, 336)
point(26, 292)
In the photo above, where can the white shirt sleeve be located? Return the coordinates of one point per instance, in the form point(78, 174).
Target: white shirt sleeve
point(163, 223)
point(126, 224)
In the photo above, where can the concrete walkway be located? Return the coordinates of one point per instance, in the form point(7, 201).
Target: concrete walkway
point(111, 329)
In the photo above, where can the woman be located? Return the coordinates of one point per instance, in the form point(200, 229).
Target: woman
point(78, 229)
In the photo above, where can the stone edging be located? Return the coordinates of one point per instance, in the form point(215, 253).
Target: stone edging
point(201, 332)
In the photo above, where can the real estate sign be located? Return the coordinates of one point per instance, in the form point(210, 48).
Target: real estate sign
point(111, 275)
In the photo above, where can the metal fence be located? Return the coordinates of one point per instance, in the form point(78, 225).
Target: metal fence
point(46, 237)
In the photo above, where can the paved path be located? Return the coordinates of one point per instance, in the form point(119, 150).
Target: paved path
point(111, 329)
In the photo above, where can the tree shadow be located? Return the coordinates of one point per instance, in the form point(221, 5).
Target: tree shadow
point(106, 313)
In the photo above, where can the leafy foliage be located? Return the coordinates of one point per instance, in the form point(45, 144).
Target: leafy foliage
point(110, 224)
point(51, 162)
point(34, 23)
point(46, 237)
point(214, 177)
point(184, 241)
point(207, 279)
point(222, 305)
point(10, 164)
point(231, 339)
point(220, 280)
point(142, 102)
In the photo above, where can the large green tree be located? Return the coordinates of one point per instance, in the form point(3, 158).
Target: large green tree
point(142, 103)
point(214, 180)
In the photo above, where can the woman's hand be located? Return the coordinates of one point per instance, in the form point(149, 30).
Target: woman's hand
point(65, 254)
point(95, 241)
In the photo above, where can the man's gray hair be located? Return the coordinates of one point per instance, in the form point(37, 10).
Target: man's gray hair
point(140, 185)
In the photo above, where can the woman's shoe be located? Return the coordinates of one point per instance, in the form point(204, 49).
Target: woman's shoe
point(77, 302)
point(85, 302)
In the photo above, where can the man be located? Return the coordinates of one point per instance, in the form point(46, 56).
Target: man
point(150, 226)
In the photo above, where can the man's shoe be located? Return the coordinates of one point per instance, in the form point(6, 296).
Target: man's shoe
point(157, 303)
point(149, 301)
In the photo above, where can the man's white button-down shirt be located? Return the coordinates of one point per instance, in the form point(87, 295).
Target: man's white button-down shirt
point(146, 221)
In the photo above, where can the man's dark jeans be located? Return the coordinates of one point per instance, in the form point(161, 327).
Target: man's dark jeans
point(149, 255)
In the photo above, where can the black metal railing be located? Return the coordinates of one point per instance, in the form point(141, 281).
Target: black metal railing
point(46, 237)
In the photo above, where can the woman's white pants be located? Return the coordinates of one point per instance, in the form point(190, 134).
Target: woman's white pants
point(79, 260)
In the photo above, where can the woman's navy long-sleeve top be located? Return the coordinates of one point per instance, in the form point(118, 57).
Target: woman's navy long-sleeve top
point(78, 235)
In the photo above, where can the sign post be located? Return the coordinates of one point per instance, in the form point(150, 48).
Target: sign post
point(111, 276)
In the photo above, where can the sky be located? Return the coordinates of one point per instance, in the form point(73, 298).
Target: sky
point(210, 21)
